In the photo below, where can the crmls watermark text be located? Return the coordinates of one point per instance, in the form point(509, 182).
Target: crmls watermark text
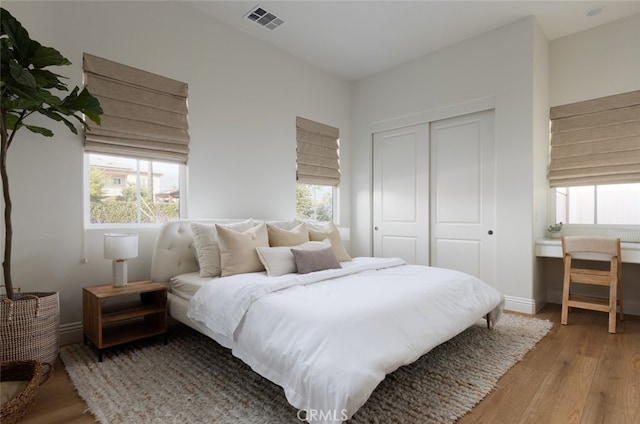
point(316, 415)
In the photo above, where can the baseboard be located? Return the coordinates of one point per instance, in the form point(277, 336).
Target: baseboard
point(631, 307)
point(520, 304)
point(70, 333)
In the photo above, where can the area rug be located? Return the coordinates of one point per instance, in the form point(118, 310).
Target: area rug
point(194, 380)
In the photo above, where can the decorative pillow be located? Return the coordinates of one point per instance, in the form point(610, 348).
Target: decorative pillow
point(331, 232)
point(288, 224)
point(205, 241)
point(238, 250)
point(314, 260)
point(279, 260)
point(293, 237)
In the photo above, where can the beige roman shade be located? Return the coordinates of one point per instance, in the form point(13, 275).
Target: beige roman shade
point(145, 115)
point(318, 160)
point(596, 141)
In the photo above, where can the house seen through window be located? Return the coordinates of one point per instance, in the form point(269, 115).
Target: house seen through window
point(132, 191)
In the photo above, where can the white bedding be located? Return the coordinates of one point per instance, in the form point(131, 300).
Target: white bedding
point(329, 338)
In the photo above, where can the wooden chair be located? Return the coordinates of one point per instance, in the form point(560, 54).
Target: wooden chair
point(598, 249)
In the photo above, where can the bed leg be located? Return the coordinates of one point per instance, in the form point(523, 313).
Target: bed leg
point(488, 318)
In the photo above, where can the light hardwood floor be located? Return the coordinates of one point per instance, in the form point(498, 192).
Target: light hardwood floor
point(577, 374)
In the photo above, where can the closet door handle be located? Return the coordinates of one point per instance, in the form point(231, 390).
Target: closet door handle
point(375, 228)
point(490, 232)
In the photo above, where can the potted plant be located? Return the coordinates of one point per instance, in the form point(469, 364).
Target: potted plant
point(555, 230)
point(29, 321)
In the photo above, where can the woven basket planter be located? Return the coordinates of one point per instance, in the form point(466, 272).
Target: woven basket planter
point(29, 327)
point(22, 402)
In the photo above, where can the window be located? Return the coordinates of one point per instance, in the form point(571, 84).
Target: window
point(136, 158)
point(147, 191)
point(317, 169)
point(595, 160)
point(314, 202)
point(613, 204)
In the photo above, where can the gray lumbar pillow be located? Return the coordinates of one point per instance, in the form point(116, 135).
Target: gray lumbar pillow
point(315, 260)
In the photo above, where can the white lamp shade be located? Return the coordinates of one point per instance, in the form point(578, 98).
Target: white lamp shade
point(120, 246)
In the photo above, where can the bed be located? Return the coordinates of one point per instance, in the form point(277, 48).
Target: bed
point(327, 337)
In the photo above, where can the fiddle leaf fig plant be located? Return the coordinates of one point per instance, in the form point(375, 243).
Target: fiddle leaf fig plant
point(28, 88)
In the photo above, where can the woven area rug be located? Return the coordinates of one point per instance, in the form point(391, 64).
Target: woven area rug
point(194, 380)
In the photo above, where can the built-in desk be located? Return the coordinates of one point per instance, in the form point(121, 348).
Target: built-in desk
point(552, 248)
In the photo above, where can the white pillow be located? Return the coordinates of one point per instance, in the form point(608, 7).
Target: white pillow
point(238, 249)
point(279, 260)
point(205, 241)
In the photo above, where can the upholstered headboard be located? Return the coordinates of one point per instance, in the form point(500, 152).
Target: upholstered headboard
point(173, 253)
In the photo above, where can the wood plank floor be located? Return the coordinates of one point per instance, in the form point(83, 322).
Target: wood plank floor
point(577, 374)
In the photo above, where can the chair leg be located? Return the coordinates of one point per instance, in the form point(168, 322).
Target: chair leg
point(613, 302)
point(620, 300)
point(612, 321)
point(565, 313)
point(565, 293)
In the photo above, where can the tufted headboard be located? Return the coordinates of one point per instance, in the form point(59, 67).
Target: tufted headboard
point(173, 252)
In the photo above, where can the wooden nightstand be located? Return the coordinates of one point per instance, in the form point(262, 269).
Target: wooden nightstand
point(117, 315)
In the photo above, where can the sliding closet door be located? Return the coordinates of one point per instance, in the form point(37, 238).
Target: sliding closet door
point(463, 194)
point(401, 194)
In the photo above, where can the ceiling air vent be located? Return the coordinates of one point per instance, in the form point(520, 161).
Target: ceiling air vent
point(265, 18)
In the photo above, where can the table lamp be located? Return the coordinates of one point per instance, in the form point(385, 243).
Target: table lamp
point(120, 247)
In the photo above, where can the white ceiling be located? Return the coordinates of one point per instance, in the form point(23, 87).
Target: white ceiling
point(355, 39)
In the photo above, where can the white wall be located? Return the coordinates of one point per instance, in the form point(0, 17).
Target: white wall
point(244, 96)
point(595, 63)
point(503, 64)
point(540, 153)
point(598, 62)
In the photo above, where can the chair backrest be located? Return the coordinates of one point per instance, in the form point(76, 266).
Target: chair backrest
point(591, 248)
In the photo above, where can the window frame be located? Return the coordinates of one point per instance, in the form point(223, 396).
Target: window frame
point(552, 213)
point(182, 213)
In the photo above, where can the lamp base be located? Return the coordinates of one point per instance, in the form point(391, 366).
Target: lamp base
point(119, 273)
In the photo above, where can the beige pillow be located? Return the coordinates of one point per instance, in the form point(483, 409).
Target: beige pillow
point(282, 237)
point(314, 260)
point(238, 250)
point(331, 232)
point(287, 224)
point(205, 242)
point(279, 260)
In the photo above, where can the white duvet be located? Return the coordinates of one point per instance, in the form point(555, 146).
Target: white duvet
point(330, 337)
